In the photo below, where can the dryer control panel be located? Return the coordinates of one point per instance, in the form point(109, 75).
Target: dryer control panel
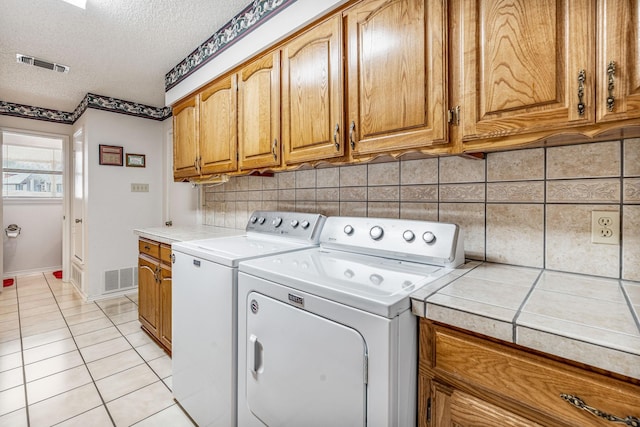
point(435, 243)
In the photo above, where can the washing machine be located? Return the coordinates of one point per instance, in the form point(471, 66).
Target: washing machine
point(326, 336)
point(204, 302)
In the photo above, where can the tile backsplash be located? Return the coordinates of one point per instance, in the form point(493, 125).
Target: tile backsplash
point(528, 207)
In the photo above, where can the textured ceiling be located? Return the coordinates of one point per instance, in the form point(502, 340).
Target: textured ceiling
point(116, 48)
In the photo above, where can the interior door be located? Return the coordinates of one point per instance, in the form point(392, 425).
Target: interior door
point(77, 226)
point(303, 369)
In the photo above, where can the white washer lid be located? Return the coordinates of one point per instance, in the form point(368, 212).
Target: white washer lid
point(377, 285)
point(231, 250)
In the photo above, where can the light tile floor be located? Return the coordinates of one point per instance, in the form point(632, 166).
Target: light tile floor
point(67, 362)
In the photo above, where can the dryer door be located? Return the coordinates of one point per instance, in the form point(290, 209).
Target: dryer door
point(303, 369)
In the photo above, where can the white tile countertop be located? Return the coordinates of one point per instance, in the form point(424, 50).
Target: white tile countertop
point(170, 235)
point(587, 319)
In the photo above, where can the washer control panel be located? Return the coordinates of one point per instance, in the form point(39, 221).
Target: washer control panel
point(297, 225)
point(421, 241)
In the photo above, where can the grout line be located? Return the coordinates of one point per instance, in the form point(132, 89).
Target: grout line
point(83, 360)
point(522, 304)
point(24, 373)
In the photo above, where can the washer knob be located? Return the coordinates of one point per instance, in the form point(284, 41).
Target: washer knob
point(253, 219)
point(408, 236)
point(276, 222)
point(305, 224)
point(348, 230)
point(261, 220)
point(376, 232)
point(294, 223)
point(429, 237)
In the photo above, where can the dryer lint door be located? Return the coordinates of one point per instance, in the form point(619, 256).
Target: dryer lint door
point(302, 369)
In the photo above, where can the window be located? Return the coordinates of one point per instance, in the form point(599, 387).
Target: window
point(31, 166)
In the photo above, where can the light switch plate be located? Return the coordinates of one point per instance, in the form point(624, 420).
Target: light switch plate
point(139, 188)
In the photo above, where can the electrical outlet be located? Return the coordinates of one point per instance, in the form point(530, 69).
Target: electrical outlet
point(605, 227)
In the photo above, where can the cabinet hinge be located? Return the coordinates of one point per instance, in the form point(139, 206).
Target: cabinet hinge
point(454, 116)
point(428, 411)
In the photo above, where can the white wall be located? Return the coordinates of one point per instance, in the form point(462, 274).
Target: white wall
point(112, 210)
point(39, 247)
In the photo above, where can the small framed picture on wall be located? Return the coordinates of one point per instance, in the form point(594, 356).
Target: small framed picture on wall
point(136, 160)
point(110, 155)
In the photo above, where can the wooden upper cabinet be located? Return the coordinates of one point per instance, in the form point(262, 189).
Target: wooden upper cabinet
point(218, 134)
point(521, 65)
point(185, 138)
point(259, 113)
point(397, 75)
point(312, 94)
point(618, 43)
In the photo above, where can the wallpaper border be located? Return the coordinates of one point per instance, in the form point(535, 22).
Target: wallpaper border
point(242, 24)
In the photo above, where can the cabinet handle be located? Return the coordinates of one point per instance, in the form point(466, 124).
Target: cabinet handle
point(580, 404)
point(147, 247)
point(352, 129)
point(273, 148)
point(611, 71)
point(581, 78)
point(335, 136)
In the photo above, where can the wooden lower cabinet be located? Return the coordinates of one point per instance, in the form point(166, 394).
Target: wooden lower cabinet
point(467, 380)
point(154, 290)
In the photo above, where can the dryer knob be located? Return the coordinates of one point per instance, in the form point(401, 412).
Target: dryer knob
point(277, 221)
point(261, 220)
point(305, 224)
point(408, 236)
point(348, 230)
point(294, 223)
point(253, 219)
point(429, 237)
point(376, 232)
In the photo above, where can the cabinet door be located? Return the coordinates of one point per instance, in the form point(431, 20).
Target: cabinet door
point(618, 42)
point(259, 113)
point(218, 135)
point(165, 306)
point(396, 67)
point(455, 408)
point(312, 103)
point(521, 62)
point(148, 294)
point(185, 138)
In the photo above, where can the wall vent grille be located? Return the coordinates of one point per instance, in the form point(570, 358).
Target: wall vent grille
point(76, 276)
point(30, 60)
point(117, 280)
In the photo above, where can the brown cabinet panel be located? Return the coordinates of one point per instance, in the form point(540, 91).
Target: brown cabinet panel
point(397, 75)
point(165, 306)
point(148, 293)
point(456, 408)
point(467, 380)
point(521, 64)
point(154, 290)
point(312, 94)
point(259, 113)
point(149, 247)
point(185, 138)
point(218, 135)
point(618, 42)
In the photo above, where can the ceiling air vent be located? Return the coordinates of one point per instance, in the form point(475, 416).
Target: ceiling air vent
point(30, 60)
